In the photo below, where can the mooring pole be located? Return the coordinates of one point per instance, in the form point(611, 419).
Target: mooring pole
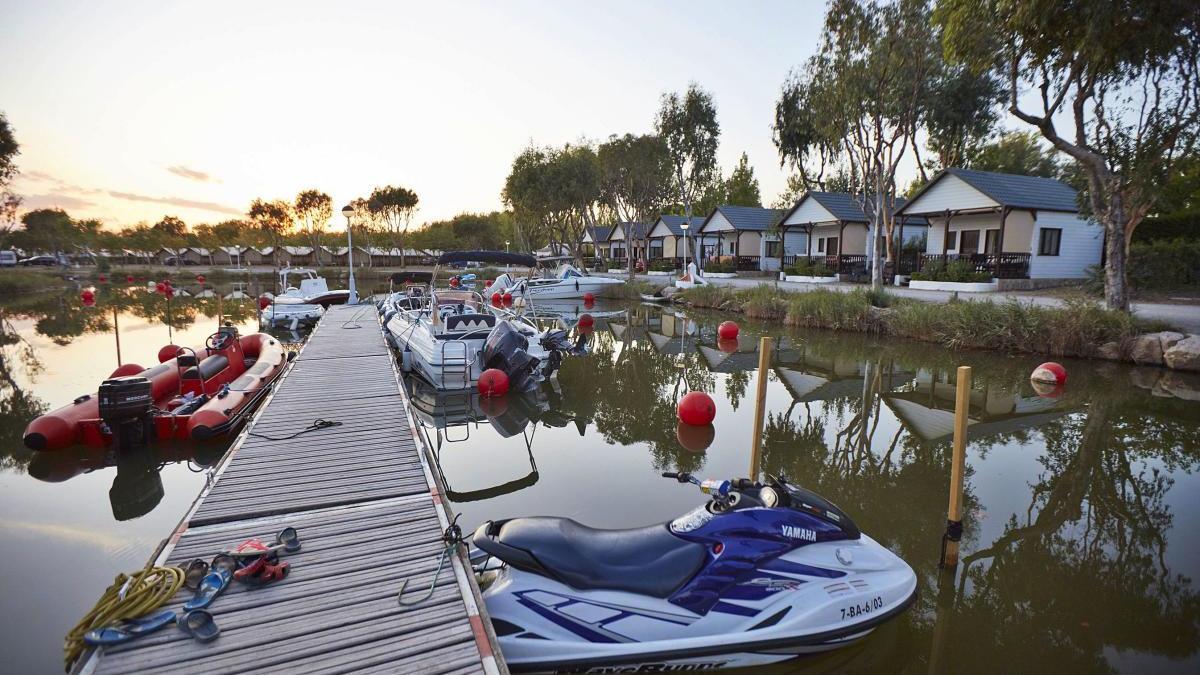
point(760, 400)
point(219, 308)
point(117, 332)
point(958, 466)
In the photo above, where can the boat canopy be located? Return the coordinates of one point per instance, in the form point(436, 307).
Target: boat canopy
point(498, 257)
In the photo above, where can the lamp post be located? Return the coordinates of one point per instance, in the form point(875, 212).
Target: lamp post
point(348, 211)
point(684, 226)
point(507, 267)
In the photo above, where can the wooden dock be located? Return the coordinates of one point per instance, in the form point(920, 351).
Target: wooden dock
point(366, 504)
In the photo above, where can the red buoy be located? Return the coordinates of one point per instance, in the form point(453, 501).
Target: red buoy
point(589, 298)
point(727, 346)
point(167, 353)
point(129, 278)
point(263, 302)
point(696, 408)
point(127, 369)
point(728, 330)
point(508, 299)
point(1049, 373)
point(170, 292)
point(103, 278)
point(695, 438)
point(493, 406)
point(160, 287)
point(497, 299)
point(586, 320)
point(493, 382)
point(87, 294)
point(453, 282)
point(89, 301)
point(200, 278)
point(487, 283)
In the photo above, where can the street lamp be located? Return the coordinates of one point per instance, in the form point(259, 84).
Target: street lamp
point(507, 267)
point(684, 226)
point(348, 211)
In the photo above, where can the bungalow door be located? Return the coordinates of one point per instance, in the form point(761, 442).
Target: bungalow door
point(968, 242)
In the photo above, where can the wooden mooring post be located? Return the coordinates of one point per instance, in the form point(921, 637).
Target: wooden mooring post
point(760, 402)
point(958, 467)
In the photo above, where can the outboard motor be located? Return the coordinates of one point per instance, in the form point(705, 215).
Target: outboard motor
point(507, 350)
point(125, 404)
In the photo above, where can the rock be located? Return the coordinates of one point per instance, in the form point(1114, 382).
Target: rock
point(1145, 378)
point(1169, 338)
point(1147, 350)
point(1184, 354)
point(1180, 385)
point(1110, 351)
point(668, 291)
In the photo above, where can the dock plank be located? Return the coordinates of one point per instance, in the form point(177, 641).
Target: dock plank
point(360, 496)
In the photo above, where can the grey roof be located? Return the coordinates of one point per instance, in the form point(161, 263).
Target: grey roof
point(601, 233)
point(674, 223)
point(845, 207)
point(1021, 192)
point(639, 230)
point(753, 218)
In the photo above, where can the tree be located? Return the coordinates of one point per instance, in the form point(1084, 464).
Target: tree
point(555, 194)
point(1125, 75)
point(869, 82)
point(742, 187)
point(960, 111)
point(688, 125)
point(49, 230)
point(274, 220)
point(1016, 152)
point(394, 205)
point(313, 210)
point(635, 180)
point(9, 149)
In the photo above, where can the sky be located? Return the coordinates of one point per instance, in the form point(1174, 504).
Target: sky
point(129, 111)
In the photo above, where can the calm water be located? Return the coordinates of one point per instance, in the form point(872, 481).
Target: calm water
point(1082, 531)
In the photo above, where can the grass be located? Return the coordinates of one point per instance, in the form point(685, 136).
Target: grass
point(15, 281)
point(1077, 329)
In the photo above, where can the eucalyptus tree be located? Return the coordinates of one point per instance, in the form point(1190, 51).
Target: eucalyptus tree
point(365, 223)
point(635, 181)
point(554, 194)
point(867, 83)
point(395, 206)
point(313, 209)
point(274, 220)
point(1123, 76)
point(741, 189)
point(9, 149)
point(1019, 152)
point(959, 113)
point(687, 123)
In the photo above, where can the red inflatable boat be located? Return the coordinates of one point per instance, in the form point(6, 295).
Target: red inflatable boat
point(190, 394)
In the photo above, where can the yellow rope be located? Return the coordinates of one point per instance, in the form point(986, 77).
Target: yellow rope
point(145, 591)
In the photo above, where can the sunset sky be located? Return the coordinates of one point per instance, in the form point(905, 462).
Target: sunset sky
point(127, 111)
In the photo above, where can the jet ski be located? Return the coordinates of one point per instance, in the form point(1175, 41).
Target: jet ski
point(760, 574)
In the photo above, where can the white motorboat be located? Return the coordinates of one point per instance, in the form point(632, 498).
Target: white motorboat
point(449, 336)
point(566, 282)
point(299, 305)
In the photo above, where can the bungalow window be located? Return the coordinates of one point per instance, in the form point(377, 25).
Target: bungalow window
point(991, 242)
point(1051, 239)
point(970, 242)
point(773, 250)
point(821, 245)
point(952, 240)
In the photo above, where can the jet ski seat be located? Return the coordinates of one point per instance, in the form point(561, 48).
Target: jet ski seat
point(645, 560)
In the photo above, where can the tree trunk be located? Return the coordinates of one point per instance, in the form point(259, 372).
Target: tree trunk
point(877, 255)
point(1116, 280)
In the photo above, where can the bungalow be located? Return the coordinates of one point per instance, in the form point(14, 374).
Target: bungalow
point(833, 228)
point(667, 238)
point(590, 245)
point(298, 256)
point(255, 255)
point(1015, 227)
point(232, 255)
point(618, 247)
point(737, 231)
point(166, 252)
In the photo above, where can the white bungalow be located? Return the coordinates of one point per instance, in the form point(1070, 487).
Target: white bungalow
point(668, 238)
point(737, 231)
point(619, 241)
point(1016, 227)
point(298, 256)
point(831, 226)
point(590, 245)
point(231, 255)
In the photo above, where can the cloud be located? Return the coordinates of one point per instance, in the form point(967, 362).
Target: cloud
point(190, 174)
point(177, 201)
point(59, 184)
point(53, 201)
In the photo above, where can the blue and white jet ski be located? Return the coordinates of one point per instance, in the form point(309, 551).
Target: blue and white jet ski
point(760, 574)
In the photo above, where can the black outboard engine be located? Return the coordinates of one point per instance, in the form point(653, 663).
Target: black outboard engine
point(506, 349)
point(125, 404)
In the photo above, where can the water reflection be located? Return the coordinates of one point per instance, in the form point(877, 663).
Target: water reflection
point(1081, 526)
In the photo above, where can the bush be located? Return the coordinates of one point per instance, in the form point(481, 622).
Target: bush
point(1170, 227)
point(831, 309)
point(958, 271)
point(720, 265)
point(763, 302)
point(16, 281)
point(662, 265)
point(1164, 263)
point(807, 267)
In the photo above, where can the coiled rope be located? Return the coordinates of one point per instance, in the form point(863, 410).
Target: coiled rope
point(128, 597)
point(317, 425)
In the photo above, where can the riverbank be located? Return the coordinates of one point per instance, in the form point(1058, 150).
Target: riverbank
point(1075, 329)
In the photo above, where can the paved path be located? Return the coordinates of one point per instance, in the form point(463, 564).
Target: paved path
point(366, 505)
point(1183, 317)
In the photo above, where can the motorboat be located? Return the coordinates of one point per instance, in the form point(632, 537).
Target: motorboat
point(564, 283)
point(761, 573)
point(192, 394)
point(450, 337)
point(302, 304)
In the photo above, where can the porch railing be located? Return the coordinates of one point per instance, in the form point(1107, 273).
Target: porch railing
point(1000, 265)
